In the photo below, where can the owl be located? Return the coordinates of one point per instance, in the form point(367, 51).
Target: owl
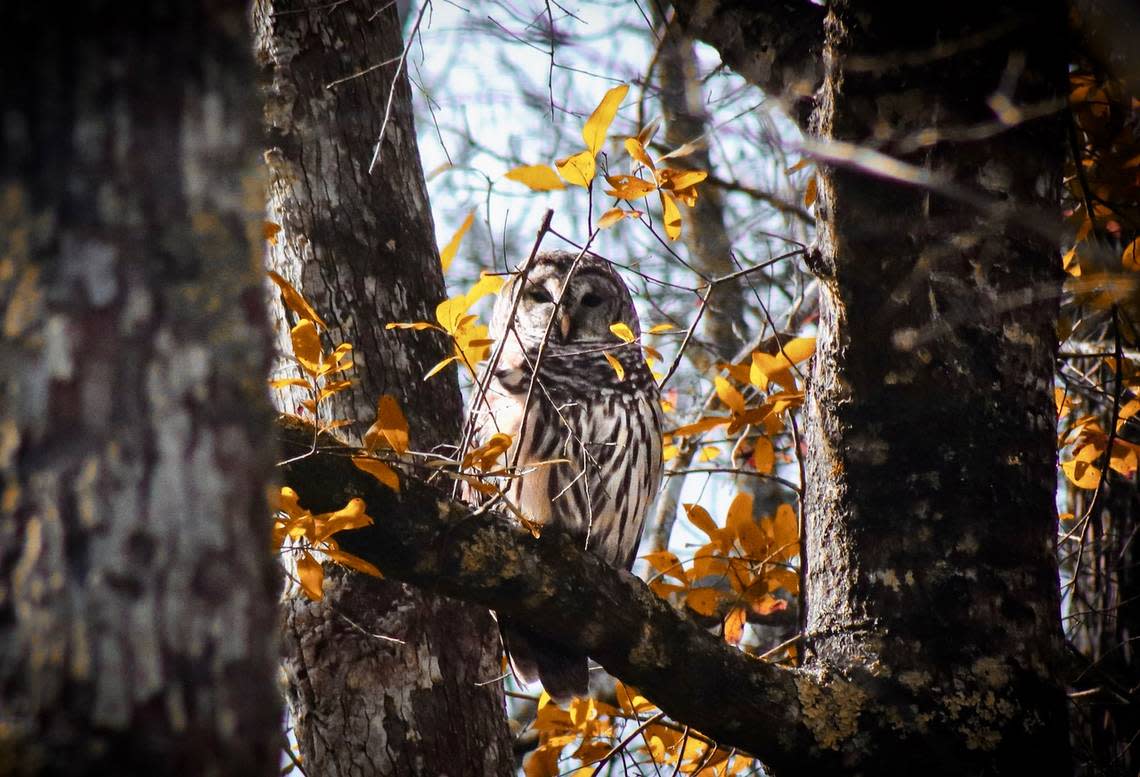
point(602, 428)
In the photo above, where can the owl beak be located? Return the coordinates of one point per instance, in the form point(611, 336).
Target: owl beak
point(564, 325)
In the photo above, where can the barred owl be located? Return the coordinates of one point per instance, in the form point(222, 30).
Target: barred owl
point(605, 426)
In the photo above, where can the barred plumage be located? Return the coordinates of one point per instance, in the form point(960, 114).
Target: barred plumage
point(607, 428)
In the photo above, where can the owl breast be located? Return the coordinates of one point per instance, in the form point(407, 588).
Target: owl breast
point(591, 447)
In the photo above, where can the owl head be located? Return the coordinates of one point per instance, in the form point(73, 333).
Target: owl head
point(594, 298)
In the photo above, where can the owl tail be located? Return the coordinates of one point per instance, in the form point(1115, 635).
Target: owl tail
point(563, 674)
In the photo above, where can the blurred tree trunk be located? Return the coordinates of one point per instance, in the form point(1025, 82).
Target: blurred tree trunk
point(136, 594)
point(931, 468)
point(361, 248)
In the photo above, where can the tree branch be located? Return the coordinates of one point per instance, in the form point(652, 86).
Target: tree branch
point(775, 44)
point(423, 537)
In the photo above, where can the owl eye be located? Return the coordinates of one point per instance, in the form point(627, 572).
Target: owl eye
point(538, 294)
point(591, 300)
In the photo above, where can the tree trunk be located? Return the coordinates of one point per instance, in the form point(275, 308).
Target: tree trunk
point(929, 508)
point(361, 248)
point(136, 596)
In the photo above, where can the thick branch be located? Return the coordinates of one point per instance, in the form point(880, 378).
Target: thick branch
point(775, 44)
point(423, 537)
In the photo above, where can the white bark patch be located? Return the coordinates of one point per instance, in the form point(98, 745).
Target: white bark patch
point(57, 349)
point(92, 263)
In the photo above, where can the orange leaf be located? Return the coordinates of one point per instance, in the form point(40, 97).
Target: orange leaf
point(378, 470)
point(734, 625)
point(295, 302)
point(764, 456)
point(352, 562)
point(811, 192)
point(628, 187)
point(614, 215)
point(269, 231)
point(1130, 259)
point(311, 575)
point(390, 430)
point(703, 600)
point(667, 563)
point(700, 425)
point(539, 178)
point(699, 517)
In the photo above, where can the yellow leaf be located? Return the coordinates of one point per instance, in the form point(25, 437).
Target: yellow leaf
point(439, 366)
point(415, 325)
point(539, 178)
point(699, 517)
point(280, 383)
point(616, 365)
point(776, 368)
point(729, 395)
point(623, 332)
point(472, 346)
point(287, 501)
point(451, 312)
point(596, 127)
point(679, 180)
point(637, 151)
point(614, 215)
point(628, 187)
point(447, 253)
point(307, 346)
point(709, 453)
point(311, 575)
point(352, 562)
point(295, 302)
point(734, 625)
point(672, 216)
point(269, 230)
point(378, 470)
point(577, 169)
point(669, 452)
point(487, 284)
point(703, 600)
point(657, 329)
point(800, 165)
point(1130, 259)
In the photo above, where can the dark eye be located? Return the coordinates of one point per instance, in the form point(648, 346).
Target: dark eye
point(538, 294)
point(591, 300)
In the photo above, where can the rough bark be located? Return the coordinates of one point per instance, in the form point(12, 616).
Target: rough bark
point(931, 467)
point(361, 248)
point(136, 596)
